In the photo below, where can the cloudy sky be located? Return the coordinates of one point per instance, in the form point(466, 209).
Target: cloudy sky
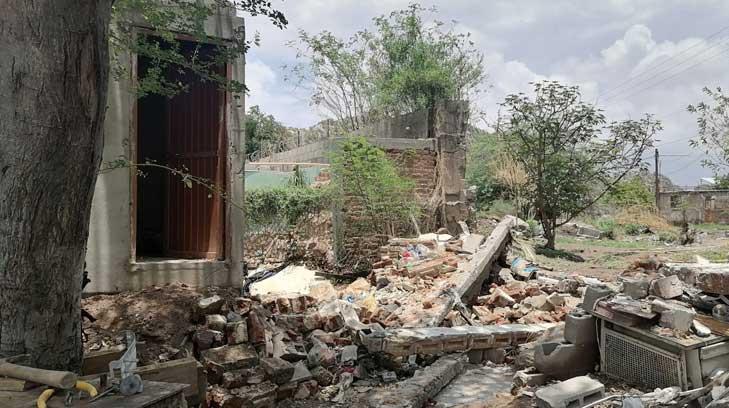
point(630, 56)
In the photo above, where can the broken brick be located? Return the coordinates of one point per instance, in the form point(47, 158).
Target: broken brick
point(277, 370)
point(232, 357)
point(237, 332)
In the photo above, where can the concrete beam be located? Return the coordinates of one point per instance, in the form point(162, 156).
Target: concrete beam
point(435, 340)
point(424, 385)
point(469, 281)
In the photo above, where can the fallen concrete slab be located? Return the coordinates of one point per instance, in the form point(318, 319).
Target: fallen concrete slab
point(478, 385)
point(434, 340)
point(424, 385)
point(711, 278)
point(468, 281)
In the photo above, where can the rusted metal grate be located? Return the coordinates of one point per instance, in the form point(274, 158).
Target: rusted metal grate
point(639, 363)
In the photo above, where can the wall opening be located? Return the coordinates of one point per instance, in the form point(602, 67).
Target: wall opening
point(177, 218)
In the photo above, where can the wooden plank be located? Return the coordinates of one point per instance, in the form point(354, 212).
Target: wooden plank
point(13, 384)
point(155, 395)
point(183, 371)
point(717, 327)
point(97, 362)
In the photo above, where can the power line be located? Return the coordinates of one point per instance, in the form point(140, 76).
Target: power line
point(626, 95)
point(648, 70)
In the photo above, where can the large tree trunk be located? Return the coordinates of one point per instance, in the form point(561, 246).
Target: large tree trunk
point(54, 68)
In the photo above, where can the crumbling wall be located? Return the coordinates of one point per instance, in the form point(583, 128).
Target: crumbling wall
point(710, 206)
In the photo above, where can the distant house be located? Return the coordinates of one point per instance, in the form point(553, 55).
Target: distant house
point(150, 229)
point(698, 206)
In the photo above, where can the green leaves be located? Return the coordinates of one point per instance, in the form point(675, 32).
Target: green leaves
point(712, 121)
point(167, 21)
point(572, 156)
point(368, 181)
point(287, 204)
point(406, 63)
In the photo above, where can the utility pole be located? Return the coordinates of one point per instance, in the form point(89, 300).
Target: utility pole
point(658, 180)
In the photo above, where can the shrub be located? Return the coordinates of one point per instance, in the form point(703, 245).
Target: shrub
point(284, 205)
point(667, 236)
point(634, 229)
point(607, 227)
point(631, 192)
point(366, 179)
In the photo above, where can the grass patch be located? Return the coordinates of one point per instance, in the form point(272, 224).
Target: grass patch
point(559, 253)
point(608, 243)
point(710, 227)
point(714, 255)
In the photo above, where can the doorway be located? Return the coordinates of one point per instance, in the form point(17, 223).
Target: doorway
point(176, 216)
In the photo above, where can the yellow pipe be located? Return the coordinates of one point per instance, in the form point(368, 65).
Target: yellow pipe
point(87, 388)
point(44, 397)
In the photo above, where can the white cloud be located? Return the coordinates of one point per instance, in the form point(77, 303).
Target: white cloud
point(598, 45)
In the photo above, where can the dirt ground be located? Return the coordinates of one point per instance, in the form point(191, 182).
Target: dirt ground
point(160, 316)
point(605, 259)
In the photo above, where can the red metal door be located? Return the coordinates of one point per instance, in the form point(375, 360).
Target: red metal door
point(194, 225)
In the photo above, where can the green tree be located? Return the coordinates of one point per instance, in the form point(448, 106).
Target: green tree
point(54, 75)
point(571, 155)
point(631, 192)
point(166, 21)
point(481, 151)
point(262, 131)
point(712, 120)
point(367, 180)
point(405, 63)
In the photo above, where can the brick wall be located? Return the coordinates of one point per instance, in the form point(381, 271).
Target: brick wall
point(419, 166)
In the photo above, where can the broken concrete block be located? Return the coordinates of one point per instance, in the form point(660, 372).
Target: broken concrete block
point(306, 390)
point(556, 300)
point(237, 332)
point(216, 322)
point(563, 360)
point(301, 373)
point(667, 288)
point(500, 298)
point(580, 328)
point(575, 392)
point(680, 320)
point(568, 285)
point(286, 391)
point(424, 385)
point(593, 293)
point(257, 396)
point(636, 287)
point(320, 354)
point(232, 357)
point(349, 354)
point(496, 356)
point(475, 356)
point(537, 303)
point(277, 370)
point(291, 352)
point(206, 339)
point(322, 376)
point(472, 242)
point(673, 315)
point(206, 306)
point(293, 322)
point(529, 378)
point(241, 378)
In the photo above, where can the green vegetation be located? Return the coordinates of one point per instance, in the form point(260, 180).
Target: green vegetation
point(168, 54)
point(712, 120)
point(287, 205)
point(262, 130)
point(631, 192)
point(365, 179)
point(571, 155)
point(406, 63)
point(481, 151)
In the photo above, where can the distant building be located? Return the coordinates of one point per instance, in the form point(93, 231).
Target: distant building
point(699, 206)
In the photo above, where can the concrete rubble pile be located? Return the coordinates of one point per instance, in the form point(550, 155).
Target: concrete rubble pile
point(431, 304)
point(681, 301)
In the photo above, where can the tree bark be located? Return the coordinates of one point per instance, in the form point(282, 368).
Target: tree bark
point(54, 66)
